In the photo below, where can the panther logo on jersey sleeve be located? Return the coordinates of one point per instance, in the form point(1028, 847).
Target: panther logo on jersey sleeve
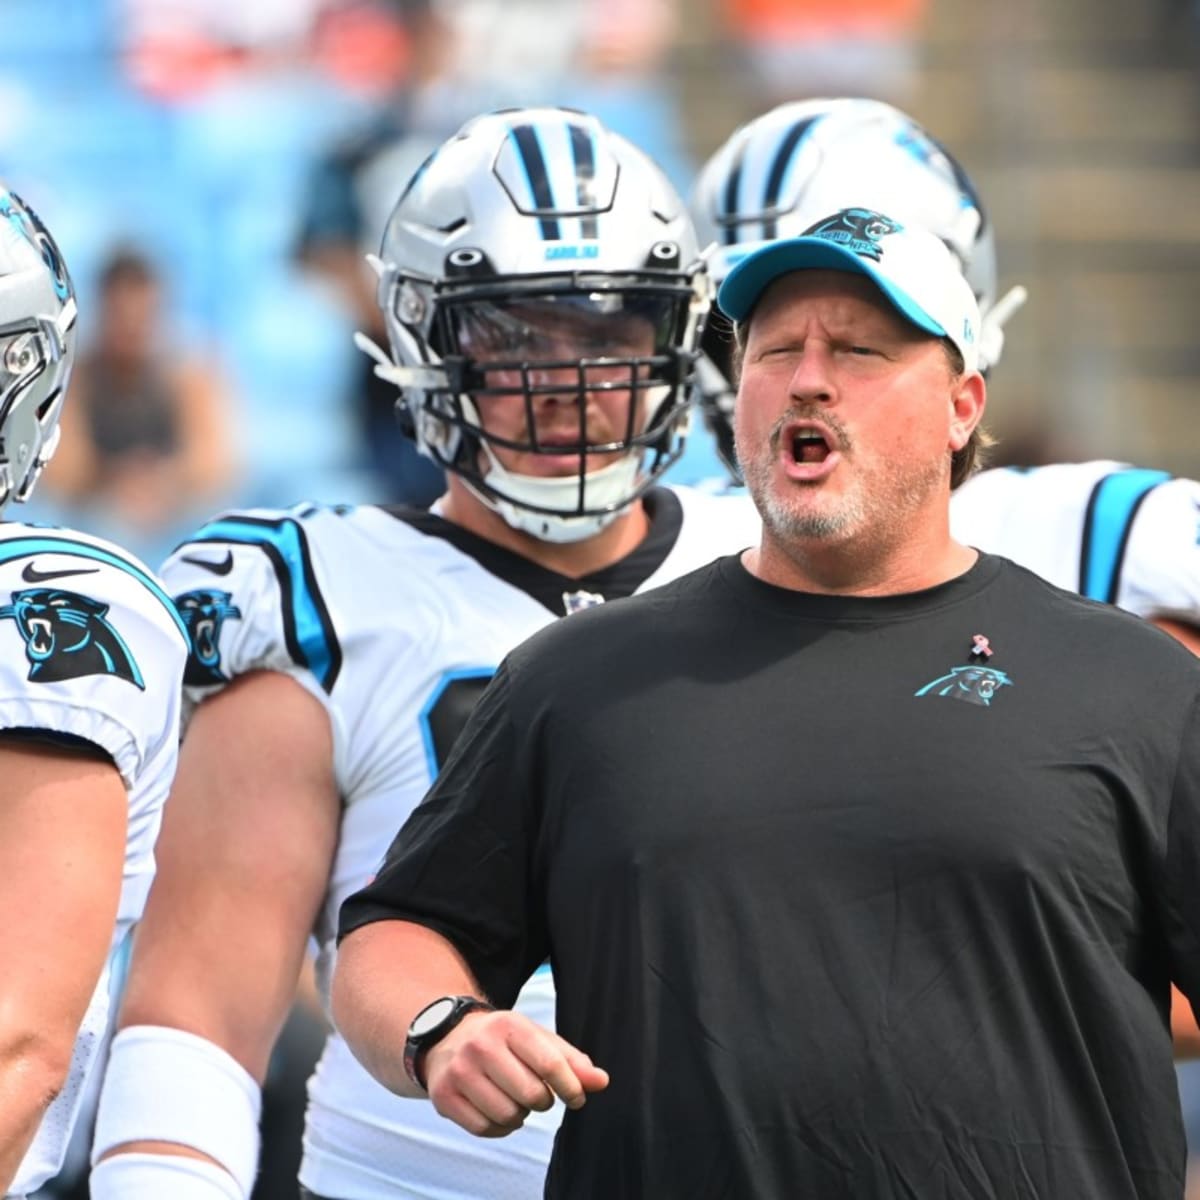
point(66, 636)
point(204, 611)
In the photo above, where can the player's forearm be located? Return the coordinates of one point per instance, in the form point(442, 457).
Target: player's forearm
point(386, 973)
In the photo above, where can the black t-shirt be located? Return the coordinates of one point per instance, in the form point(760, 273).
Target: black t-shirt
point(846, 912)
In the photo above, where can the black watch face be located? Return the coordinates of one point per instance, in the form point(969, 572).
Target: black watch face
point(428, 1019)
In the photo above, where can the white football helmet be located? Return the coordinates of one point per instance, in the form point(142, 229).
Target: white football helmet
point(790, 168)
point(538, 254)
point(37, 346)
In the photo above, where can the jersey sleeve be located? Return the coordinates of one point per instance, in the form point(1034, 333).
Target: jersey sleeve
point(93, 648)
point(246, 587)
point(1160, 576)
point(462, 864)
point(1182, 896)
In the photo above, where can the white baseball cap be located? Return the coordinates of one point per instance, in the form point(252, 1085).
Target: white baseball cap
point(914, 269)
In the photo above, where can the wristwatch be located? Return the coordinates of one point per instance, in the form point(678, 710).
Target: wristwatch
point(432, 1024)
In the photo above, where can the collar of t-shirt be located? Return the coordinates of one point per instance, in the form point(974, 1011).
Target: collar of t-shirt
point(756, 593)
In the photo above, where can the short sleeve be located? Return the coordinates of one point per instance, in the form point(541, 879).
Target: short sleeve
point(93, 648)
point(1160, 575)
point(462, 865)
point(246, 586)
point(1182, 875)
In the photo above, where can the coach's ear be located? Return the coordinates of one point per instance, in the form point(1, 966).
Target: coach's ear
point(968, 399)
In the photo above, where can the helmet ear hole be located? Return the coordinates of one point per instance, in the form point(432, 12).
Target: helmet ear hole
point(664, 255)
point(468, 262)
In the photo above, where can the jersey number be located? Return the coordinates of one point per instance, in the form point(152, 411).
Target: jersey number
point(449, 713)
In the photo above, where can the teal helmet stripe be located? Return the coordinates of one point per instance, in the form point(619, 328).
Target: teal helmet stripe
point(27, 547)
point(307, 625)
point(1111, 509)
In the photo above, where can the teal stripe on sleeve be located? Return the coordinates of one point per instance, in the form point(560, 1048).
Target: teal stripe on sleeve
point(308, 628)
point(1113, 505)
point(27, 547)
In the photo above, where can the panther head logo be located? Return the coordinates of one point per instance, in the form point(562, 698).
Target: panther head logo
point(204, 612)
point(66, 636)
point(857, 229)
point(975, 685)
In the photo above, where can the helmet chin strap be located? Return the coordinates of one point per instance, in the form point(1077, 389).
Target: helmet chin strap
point(521, 494)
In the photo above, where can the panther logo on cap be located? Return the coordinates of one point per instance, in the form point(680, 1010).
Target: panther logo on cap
point(857, 229)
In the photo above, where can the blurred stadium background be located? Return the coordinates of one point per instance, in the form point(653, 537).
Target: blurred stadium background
point(194, 130)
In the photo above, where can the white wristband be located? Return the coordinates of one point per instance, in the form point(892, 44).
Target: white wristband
point(165, 1085)
point(155, 1176)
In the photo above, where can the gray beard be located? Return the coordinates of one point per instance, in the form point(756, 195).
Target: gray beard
point(853, 515)
point(788, 525)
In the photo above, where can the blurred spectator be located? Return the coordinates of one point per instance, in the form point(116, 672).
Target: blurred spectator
point(607, 57)
point(146, 431)
point(351, 192)
point(799, 48)
point(176, 49)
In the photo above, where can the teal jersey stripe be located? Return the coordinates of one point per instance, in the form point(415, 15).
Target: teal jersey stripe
point(27, 547)
point(308, 628)
point(1113, 505)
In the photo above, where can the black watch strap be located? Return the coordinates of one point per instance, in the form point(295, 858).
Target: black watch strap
point(432, 1024)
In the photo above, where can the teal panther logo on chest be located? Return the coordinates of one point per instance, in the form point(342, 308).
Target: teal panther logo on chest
point(66, 636)
point(204, 611)
point(972, 684)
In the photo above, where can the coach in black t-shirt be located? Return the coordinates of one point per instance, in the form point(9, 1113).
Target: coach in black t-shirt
point(864, 861)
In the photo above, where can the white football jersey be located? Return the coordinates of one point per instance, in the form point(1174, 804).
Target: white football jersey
point(395, 620)
point(1112, 532)
point(91, 648)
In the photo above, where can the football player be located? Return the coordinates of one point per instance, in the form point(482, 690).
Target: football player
point(544, 297)
point(92, 662)
point(1113, 532)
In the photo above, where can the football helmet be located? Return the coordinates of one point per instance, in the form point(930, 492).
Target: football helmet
point(539, 264)
point(37, 346)
point(784, 171)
